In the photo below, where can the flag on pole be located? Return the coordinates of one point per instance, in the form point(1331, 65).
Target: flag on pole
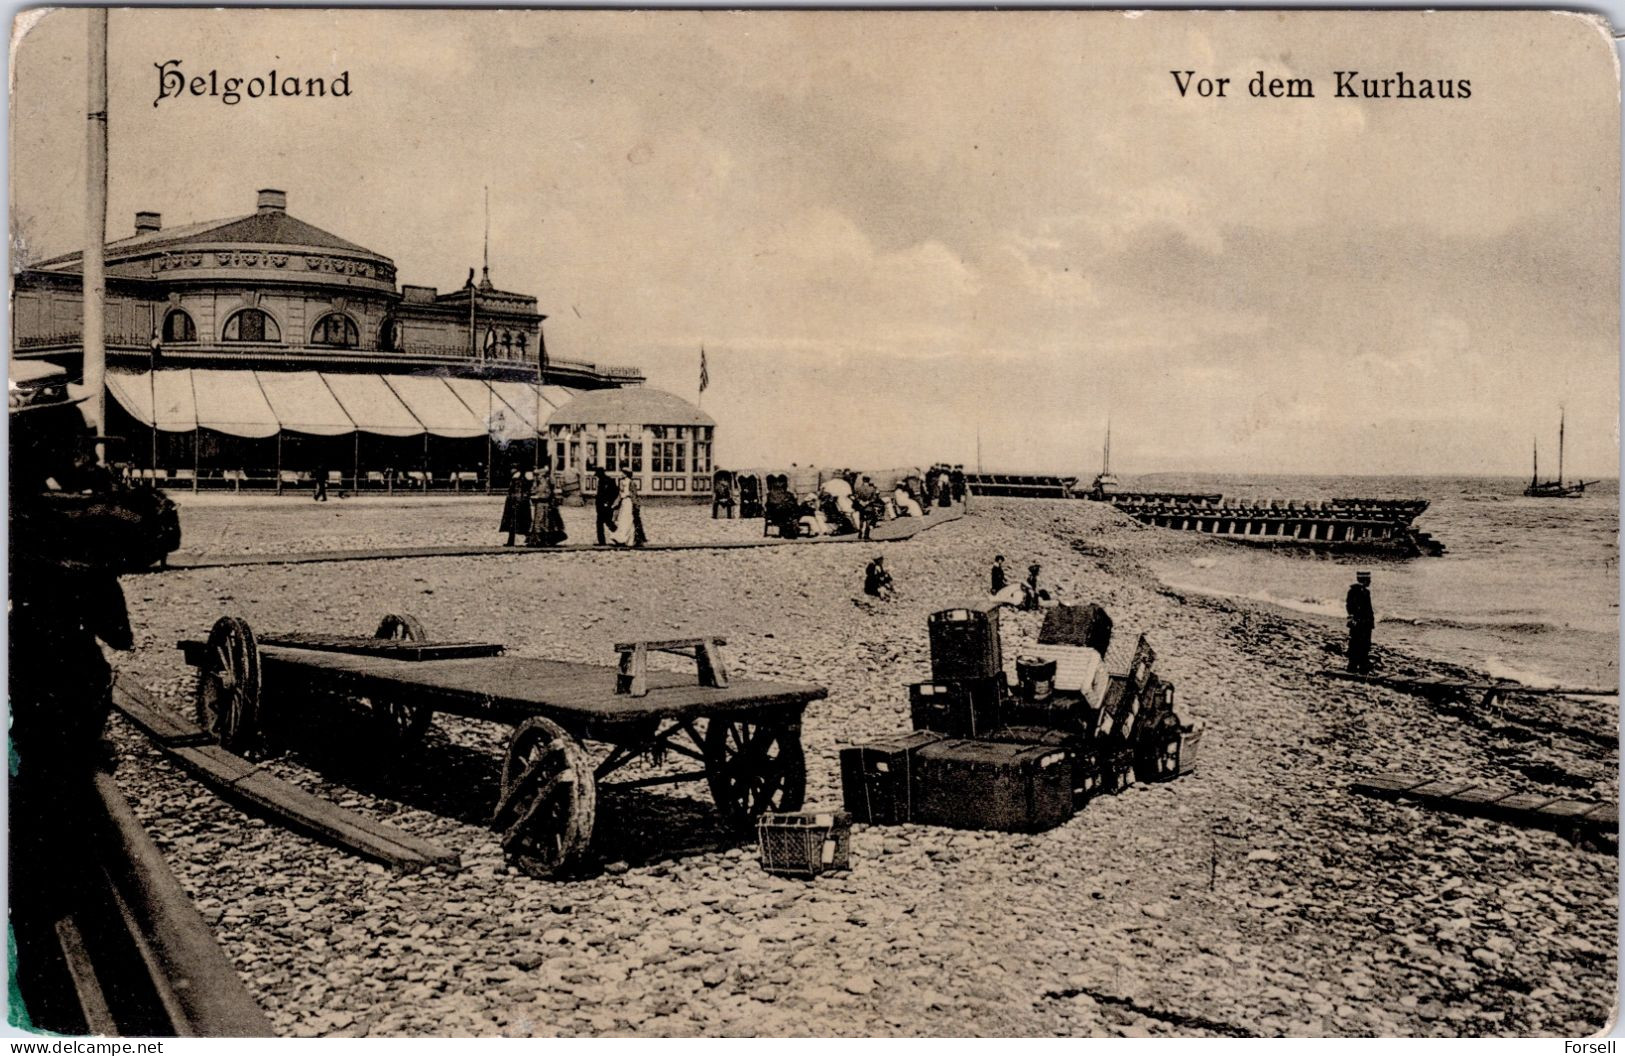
point(705, 375)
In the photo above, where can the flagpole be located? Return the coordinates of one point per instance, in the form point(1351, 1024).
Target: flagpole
point(94, 283)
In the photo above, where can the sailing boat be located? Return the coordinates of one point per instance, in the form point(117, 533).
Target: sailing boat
point(1554, 489)
point(1104, 483)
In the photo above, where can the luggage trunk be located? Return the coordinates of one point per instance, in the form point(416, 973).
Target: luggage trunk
point(964, 644)
point(1086, 625)
point(964, 707)
point(1134, 658)
point(1067, 713)
point(986, 785)
point(1085, 764)
point(877, 778)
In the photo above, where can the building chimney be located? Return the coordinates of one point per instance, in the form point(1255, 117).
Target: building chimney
point(145, 222)
point(273, 201)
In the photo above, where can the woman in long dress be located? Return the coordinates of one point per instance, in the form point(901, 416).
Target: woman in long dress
point(629, 486)
point(516, 508)
point(623, 523)
point(546, 523)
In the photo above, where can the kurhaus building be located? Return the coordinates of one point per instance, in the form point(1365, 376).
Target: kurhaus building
point(266, 350)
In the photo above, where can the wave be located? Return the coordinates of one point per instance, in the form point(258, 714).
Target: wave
point(1497, 668)
point(1311, 606)
point(1334, 610)
point(1463, 624)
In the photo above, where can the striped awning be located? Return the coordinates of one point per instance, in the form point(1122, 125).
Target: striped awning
point(177, 412)
point(261, 403)
point(372, 405)
point(232, 402)
point(433, 403)
point(303, 403)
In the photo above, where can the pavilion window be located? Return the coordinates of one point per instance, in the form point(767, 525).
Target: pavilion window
point(637, 456)
point(251, 324)
point(178, 328)
point(336, 331)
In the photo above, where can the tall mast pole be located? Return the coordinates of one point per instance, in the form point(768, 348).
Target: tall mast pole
point(94, 280)
point(1561, 414)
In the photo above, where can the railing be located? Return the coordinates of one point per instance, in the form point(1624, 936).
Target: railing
point(113, 336)
point(458, 353)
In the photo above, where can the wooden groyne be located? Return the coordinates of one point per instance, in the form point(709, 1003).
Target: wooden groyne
point(1350, 524)
point(1020, 486)
point(1129, 501)
point(1318, 526)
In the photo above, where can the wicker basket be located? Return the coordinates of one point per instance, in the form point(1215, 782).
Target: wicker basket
point(805, 843)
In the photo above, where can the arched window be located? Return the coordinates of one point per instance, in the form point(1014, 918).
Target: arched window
point(251, 324)
point(507, 344)
point(178, 328)
point(389, 336)
point(519, 343)
point(337, 331)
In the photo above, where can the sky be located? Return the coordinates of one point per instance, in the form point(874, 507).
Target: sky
point(914, 236)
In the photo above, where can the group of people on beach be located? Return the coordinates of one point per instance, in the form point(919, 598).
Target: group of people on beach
point(532, 509)
point(1026, 594)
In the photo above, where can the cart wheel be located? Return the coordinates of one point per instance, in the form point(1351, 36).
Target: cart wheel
point(402, 724)
point(228, 686)
point(754, 768)
point(549, 795)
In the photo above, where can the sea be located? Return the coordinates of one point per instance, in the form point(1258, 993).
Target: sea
point(1528, 589)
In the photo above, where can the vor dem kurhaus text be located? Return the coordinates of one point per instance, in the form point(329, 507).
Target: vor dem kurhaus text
point(1347, 84)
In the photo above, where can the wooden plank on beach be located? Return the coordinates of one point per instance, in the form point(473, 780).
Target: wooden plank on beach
point(1389, 784)
point(1534, 810)
point(235, 778)
point(1438, 789)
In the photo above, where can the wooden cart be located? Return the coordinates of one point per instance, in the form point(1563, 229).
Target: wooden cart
point(747, 735)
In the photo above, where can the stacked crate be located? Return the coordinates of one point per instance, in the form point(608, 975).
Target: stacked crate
point(1088, 716)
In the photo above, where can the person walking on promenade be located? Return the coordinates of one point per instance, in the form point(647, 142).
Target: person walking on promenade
point(320, 492)
point(629, 487)
point(1361, 621)
point(516, 508)
point(546, 523)
point(608, 492)
point(956, 482)
point(876, 580)
point(999, 582)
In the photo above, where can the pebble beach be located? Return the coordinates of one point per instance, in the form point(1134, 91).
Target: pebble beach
point(1257, 896)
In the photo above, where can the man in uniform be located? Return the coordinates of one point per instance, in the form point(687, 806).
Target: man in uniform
point(1361, 621)
point(608, 494)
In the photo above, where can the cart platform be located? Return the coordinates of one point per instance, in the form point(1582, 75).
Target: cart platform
point(747, 734)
